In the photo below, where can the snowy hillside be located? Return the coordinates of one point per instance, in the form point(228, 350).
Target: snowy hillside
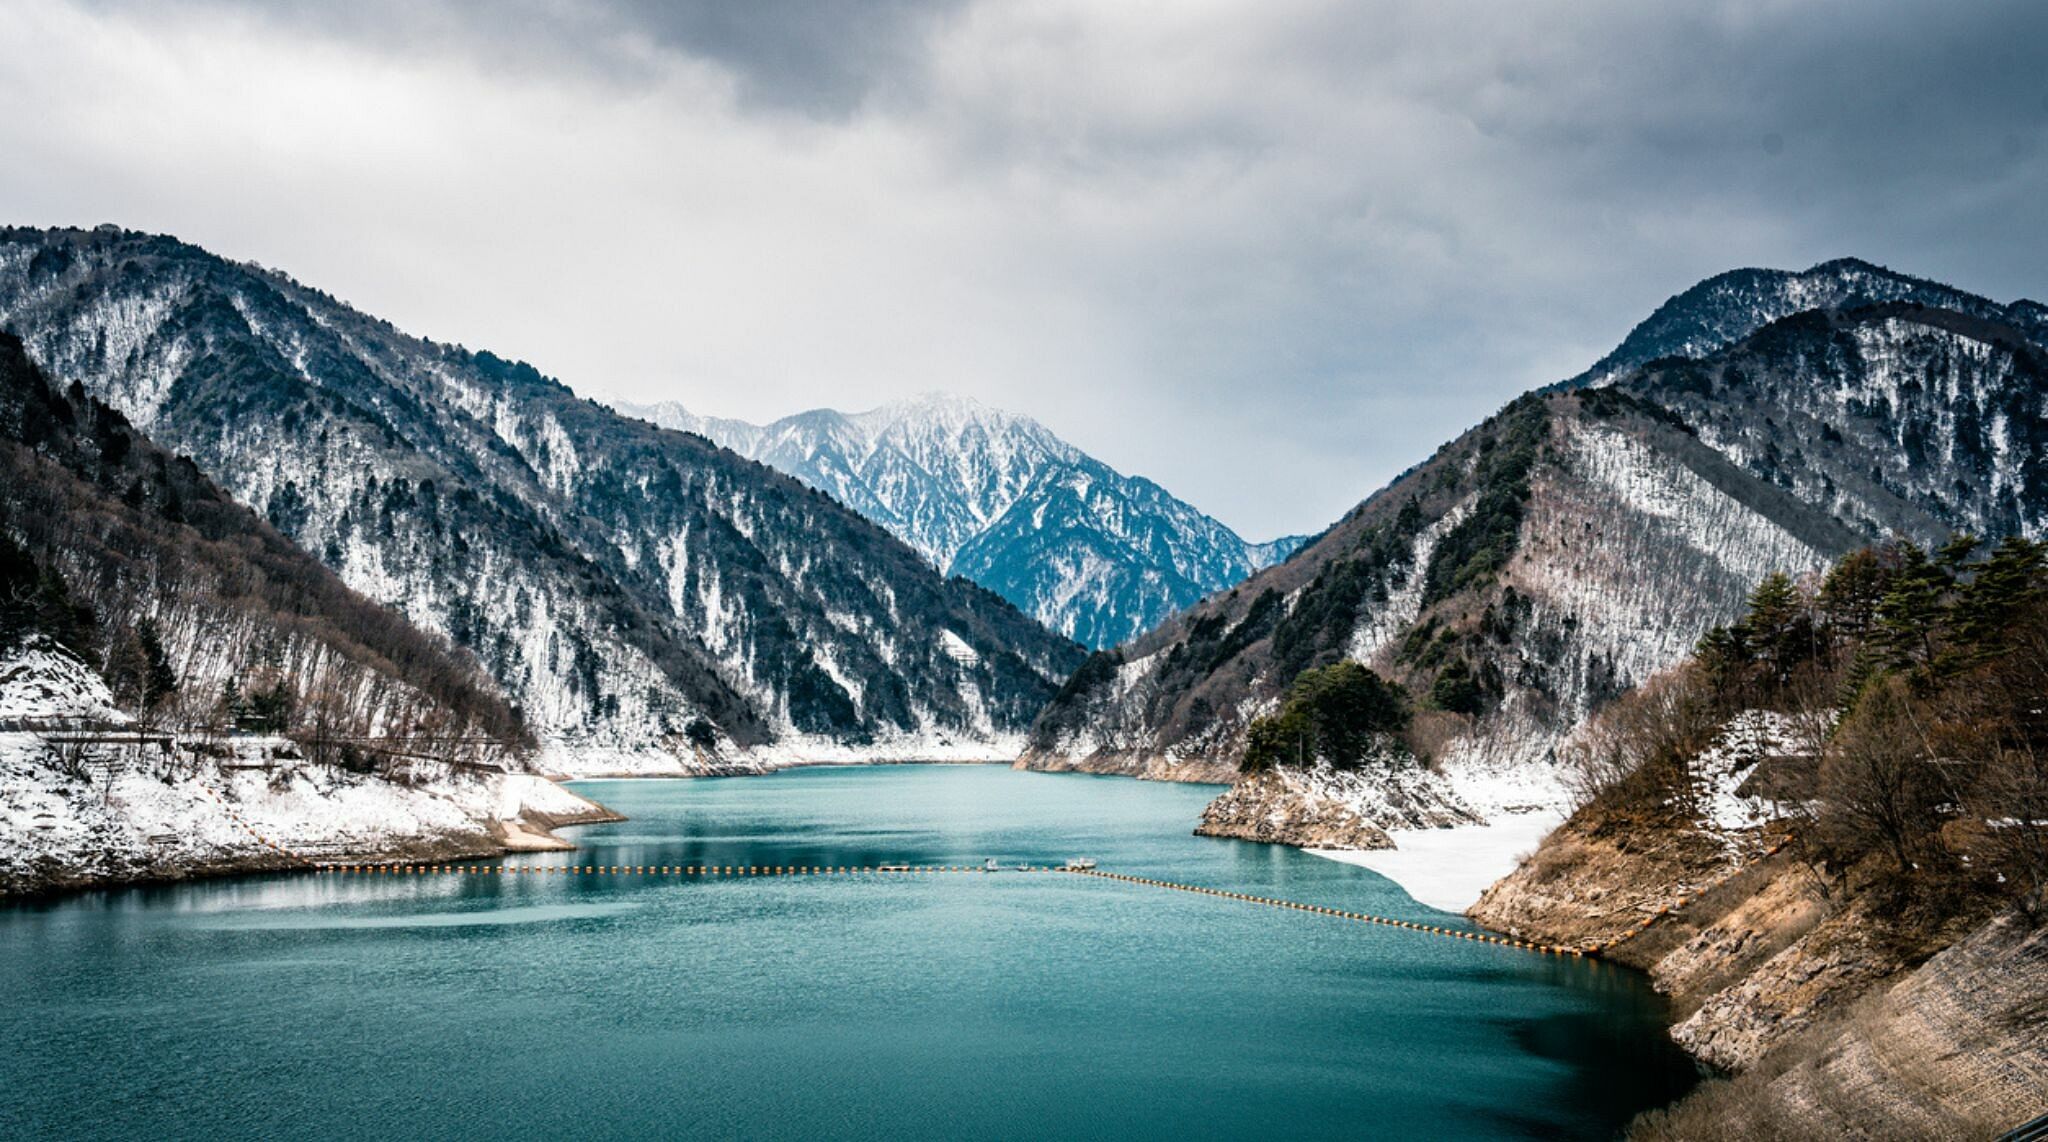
point(1583, 539)
point(1548, 560)
point(1894, 418)
point(631, 590)
point(83, 803)
point(996, 497)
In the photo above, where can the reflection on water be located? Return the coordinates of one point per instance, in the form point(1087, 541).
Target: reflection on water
point(489, 914)
point(959, 1006)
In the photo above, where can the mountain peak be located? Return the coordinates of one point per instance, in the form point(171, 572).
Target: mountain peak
point(996, 496)
point(950, 411)
point(1725, 308)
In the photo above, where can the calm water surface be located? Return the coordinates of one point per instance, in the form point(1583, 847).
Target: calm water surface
point(983, 1006)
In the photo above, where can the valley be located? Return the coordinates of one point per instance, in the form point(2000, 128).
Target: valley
point(989, 569)
point(385, 594)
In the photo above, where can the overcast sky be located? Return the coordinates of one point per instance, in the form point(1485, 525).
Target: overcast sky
point(1267, 253)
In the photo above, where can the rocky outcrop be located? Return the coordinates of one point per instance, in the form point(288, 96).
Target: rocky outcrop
point(1951, 1049)
point(1828, 967)
point(1794, 986)
point(1142, 765)
point(1326, 808)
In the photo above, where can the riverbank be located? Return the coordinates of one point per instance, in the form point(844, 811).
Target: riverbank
point(1823, 1014)
point(134, 814)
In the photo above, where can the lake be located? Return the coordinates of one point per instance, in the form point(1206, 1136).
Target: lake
point(1005, 1005)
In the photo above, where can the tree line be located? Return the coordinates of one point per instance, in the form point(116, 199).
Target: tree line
point(1916, 683)
point(196, 612)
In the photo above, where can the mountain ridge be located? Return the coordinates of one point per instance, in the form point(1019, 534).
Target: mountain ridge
point(1573, 545)
point(1731, 305)
point(640, 593)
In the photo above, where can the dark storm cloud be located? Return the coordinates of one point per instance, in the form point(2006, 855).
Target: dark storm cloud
point(1266, 253)
point(819, 56)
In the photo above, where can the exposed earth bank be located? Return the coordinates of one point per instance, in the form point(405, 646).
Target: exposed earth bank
point(1825, 1019)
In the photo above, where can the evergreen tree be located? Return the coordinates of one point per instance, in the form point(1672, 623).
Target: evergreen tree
point(1723, 653)
point(1339, 713)
point(1911, 613)
point(1457, 689)
point(1955, 554)
point(1850, 595)
point(2003, 587)
point(1779, 633)
point(159, 681)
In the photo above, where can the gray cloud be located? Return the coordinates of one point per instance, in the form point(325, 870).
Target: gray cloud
point(1266, 254)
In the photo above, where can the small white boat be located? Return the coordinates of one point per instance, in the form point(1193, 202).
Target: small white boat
point(1080, 864)
point(991, 866)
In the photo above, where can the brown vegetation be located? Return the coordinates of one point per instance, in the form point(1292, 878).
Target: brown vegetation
point(197, 612)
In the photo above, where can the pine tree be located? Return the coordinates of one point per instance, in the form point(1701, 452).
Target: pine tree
point(159, 681)
point(1723, 653)
point(1850, 595)
point(1777, 624)
point(1456, 689)
point(1911, 614)
point(1338, 713)
point(2004, 587)
point(1955, 554)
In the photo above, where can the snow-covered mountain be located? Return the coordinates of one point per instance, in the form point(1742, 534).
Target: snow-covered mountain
point(1728, 307)
point(1097, 555)
point(630, 588)
point(124, 557)
point(1586, 536)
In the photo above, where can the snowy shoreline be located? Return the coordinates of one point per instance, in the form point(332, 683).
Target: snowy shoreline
point(1448, 869)
point(136, 814)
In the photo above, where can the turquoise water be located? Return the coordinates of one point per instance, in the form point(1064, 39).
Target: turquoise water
point(965, 1006)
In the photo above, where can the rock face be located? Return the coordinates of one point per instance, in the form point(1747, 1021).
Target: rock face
point(1325, 808)
point(629, 588)
point(1092, 553)
point(1789, 981)
point(1953, 1049)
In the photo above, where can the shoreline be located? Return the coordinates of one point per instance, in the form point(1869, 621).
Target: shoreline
point(1442, 868)
point(770, 769)
point(1450, 868)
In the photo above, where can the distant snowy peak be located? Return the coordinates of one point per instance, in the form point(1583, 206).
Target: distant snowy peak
point(997, 497)
point(935, 469)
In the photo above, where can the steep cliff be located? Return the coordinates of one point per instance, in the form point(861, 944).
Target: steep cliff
point(1826, 838)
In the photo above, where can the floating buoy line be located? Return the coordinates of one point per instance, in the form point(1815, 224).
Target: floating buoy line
point(717, 871)
point(721, 871)
point(1342, 914)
